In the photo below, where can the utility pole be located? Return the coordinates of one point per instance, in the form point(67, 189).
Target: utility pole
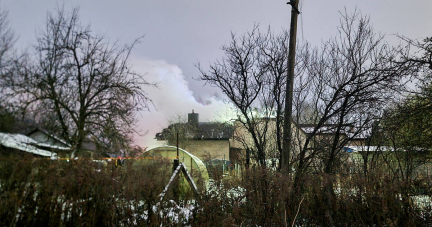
point(287, 132)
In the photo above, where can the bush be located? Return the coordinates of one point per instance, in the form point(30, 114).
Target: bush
point(268, 199)
point(42, 192)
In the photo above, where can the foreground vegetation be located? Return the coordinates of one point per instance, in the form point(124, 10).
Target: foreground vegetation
point(41, 192)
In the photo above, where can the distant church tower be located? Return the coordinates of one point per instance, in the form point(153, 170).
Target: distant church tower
point(193, 118)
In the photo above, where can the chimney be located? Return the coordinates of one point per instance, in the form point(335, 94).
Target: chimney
point(193, 119)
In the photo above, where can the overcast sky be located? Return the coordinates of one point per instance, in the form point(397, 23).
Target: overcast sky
point(181, 33)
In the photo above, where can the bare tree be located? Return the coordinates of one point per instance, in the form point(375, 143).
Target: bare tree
point(419, 55)
point(341, 88)
point(253, 76)
point(7, 41)
point(8, 60)
point(7, 52)
point(406, 125)
point(418, 52)
point(241, 78)
point(350, 82)
point(80, 84)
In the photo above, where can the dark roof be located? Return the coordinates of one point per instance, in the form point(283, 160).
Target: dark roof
point(204, 131)
point(212, 130)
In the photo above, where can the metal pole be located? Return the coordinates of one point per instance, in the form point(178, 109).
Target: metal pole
point(287, 134)
point(223, 171)
point(176, 181)
point(177, 146)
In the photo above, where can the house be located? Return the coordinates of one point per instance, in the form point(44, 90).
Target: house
point(205, 140)
point(223, 141)
point(242, 139)
point(214, 140)
point(321, 138)
point(89, 147)
point(43, 136)
point(19, 144)
point(41, 143)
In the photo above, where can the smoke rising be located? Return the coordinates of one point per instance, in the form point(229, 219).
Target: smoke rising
point(173, 98)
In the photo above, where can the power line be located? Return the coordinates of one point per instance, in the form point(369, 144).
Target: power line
point(301, 19)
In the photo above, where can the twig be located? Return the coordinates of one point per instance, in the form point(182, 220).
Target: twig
point(297, 212)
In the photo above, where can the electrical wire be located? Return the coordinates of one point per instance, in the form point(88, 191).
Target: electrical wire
point(301, 18)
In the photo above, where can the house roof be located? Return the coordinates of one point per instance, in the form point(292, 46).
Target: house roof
point(348, 130)
point(204, 131)
point(50, 136)
point(324, 129)
point(354, 149)
point(214, 130)
point(24, 143)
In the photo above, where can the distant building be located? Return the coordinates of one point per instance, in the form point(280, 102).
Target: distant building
point(354, 136)
point(215, 140)
point(43, 136)
point(206, 140)
point(242, 139)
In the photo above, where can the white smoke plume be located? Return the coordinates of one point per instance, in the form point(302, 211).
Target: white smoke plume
point(173, 98)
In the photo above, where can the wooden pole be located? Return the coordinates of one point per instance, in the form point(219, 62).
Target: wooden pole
point(287, 134)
